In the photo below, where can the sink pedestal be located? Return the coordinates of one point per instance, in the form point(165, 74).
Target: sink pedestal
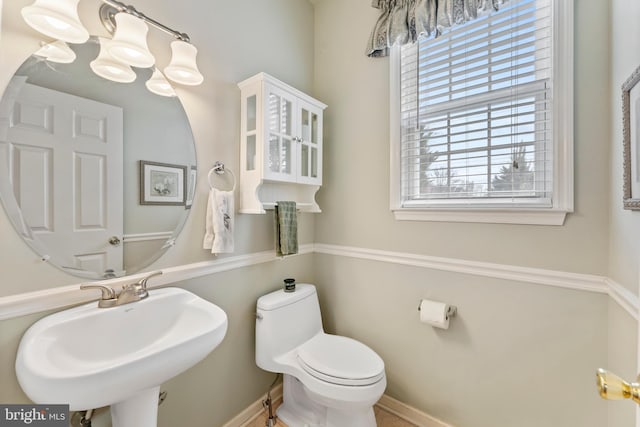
point(140, 410)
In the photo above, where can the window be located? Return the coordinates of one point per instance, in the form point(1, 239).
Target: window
point(482, 120)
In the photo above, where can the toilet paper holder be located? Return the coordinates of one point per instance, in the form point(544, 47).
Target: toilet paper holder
point(451, 310)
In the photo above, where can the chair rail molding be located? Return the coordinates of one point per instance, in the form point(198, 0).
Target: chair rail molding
point(538, 276)
point(55, 298)
point(59, 297)
point(584, 282)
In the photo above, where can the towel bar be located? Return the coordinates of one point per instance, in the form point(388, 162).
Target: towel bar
point(272, 205)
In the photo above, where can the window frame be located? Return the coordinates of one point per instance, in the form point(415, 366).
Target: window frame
point(478, 210)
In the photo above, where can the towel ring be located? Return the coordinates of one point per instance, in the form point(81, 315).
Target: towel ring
point(218, 167)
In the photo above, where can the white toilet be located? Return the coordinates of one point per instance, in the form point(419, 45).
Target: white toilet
point(329, 380)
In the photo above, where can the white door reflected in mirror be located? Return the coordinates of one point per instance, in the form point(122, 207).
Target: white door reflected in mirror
point(81, 208)
point(75, 178)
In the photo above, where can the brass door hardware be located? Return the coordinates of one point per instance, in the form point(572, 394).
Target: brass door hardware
point(612, 387)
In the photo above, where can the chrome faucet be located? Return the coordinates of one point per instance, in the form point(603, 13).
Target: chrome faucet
point(130, 293)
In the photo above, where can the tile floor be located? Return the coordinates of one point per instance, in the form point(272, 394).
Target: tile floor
point(384, 419)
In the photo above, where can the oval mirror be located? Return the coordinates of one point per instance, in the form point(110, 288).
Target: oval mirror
point(96, 176)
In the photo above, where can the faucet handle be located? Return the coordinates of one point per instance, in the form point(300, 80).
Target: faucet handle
point(143, 282)
point(108, 297)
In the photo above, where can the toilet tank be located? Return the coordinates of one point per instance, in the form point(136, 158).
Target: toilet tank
point(284, 321)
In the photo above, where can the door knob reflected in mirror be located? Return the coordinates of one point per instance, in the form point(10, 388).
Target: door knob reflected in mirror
point(114, 241)
point(612, 387)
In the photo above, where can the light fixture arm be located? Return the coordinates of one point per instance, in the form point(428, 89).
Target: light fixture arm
point(110, 7)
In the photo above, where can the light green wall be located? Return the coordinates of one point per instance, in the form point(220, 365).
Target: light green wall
point(225, 382)
point(625, 224)
point(355, 197)
point(512, 344)
point(621, 344)
point(516, 355)
point(624, 245)
point(235, 40)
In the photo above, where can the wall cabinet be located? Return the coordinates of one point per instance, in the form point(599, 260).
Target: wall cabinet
point(281, 145)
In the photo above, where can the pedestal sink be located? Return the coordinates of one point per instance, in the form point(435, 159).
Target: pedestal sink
point(89, 357)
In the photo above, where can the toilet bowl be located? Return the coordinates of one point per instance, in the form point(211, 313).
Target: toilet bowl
point(329, 380)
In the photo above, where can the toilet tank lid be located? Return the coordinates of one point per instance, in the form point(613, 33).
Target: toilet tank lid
point(280, 298)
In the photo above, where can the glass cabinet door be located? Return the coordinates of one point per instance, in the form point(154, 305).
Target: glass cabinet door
point(310, 144)
point(251, 109)
point(280, 143)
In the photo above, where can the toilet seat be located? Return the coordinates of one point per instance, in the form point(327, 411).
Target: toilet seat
point(340, 360)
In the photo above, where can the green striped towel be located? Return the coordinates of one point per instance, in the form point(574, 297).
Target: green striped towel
point(286, 228)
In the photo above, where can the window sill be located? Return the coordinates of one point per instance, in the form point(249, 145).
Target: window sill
point(486, 216)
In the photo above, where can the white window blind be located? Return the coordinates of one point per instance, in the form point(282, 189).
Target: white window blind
point(476, 112)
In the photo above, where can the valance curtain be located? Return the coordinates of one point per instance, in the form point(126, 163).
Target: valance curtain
point(404, 21)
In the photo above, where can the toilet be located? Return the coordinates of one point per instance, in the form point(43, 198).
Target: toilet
point(329, 380)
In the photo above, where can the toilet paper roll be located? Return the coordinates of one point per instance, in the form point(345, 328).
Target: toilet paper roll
point(434, 313)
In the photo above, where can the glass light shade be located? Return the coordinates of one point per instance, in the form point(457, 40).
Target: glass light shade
point(108, 67)
point(129, 43)
point(57, 51)
point(183, 68)
point(56, 18)
point(159, 85)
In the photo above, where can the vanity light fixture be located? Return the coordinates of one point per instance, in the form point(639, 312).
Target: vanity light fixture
point(181, 69)
point(59, 19)
point(108, 67)
point(159, 85)
point(56, 18)
point(57, 51)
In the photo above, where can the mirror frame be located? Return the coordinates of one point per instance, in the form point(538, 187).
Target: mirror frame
point(630, 142)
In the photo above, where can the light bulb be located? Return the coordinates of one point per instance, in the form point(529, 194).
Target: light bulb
point(183, 68)
point(129, 43)
point(56, 23)
point(108, 67)
point(159, 85)
point(57, 51)
point(56, 18)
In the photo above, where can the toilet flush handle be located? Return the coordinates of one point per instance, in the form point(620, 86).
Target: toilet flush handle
point(258, 316)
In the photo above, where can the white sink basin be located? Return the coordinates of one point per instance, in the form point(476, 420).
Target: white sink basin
point(89, 357)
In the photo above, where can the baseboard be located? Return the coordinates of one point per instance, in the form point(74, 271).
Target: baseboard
point(387, 403)
point(409, 413)
point(253, 411)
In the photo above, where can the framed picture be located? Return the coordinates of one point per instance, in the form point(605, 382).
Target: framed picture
point(191, 187)
point(631, 141)
point(162, 183)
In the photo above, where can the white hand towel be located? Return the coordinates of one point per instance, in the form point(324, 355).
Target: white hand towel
point(219, 222)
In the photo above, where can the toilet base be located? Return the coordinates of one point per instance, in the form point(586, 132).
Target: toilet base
point(298, 410)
